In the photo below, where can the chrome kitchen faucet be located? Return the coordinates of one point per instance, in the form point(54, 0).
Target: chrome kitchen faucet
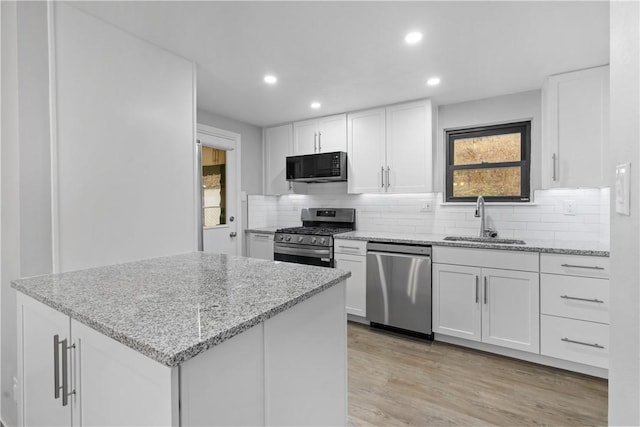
point(484, 231)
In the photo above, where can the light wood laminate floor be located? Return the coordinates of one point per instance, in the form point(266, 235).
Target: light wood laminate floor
point(397, 380)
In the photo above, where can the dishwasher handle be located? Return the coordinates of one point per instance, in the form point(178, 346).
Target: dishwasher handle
point(400, 255)
point(394, 248)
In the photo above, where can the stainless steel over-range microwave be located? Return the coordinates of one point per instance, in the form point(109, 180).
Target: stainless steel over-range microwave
point(320, 167)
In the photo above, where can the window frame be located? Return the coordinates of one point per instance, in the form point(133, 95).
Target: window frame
point(522, 127)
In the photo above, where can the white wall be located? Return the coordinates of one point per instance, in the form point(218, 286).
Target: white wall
point(251, 162)
point(624, 374)
point(124, 146)
point(501, 109)
point(9, 203)
point(35, 159)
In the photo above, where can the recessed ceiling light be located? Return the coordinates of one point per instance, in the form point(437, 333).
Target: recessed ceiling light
point(270, 79)
point(433, 81)
point(315, 105)
point(413, 37)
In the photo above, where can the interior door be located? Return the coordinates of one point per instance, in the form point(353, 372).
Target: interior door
point(219, 182)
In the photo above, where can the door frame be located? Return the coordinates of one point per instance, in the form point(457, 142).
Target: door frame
point(233, 145)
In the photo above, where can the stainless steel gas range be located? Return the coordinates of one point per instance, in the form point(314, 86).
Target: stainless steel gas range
point(312, 243)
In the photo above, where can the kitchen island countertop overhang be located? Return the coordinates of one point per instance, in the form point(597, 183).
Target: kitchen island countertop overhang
point(174, 308)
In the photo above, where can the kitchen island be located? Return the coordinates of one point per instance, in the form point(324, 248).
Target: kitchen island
point(194, 339)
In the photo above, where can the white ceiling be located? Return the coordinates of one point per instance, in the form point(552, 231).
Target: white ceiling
point(352, 55)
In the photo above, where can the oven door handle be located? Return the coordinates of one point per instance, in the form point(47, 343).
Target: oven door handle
point(316, 253)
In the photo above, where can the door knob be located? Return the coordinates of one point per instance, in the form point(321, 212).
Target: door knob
point(233, 234)
point(232, 218)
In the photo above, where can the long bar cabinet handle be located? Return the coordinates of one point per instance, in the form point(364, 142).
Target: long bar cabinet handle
point(582, 299)
point(65, 372)
point(554, 177)
point(56, 367)
point(349, 247)
point(590, 267)
point(477, 289)
point(382, 176)
point(388, 180)
point(485, 290)
point(581, 343)
point(319, 142)
point(315, 142)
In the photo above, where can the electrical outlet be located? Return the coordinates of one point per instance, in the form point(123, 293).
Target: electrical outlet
point(569, 207)
point(427, 206)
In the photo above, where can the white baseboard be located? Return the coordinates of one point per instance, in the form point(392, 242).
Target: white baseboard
point(529, 357)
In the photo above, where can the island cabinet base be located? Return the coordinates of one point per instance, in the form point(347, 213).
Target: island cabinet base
point(289, 370)
point(106, 382)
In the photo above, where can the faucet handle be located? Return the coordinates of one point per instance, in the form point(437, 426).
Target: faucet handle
point(490, 232)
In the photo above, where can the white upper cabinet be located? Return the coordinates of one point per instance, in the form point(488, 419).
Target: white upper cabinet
point(366, 151)
point(322, 135)
point(390, 149)
point(277, 146)
point(409, 148)
point(576, 129)
point(305, 137)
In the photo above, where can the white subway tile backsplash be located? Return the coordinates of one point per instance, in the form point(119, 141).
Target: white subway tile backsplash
point(548, 226)
point(544, 219)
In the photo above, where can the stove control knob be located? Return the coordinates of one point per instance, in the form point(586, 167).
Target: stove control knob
point(300, 239)
point(280, 238)
point(323, 241)
point(288, 238)
point(313, 240)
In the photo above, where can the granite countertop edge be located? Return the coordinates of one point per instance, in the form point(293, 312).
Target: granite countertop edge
point(438, 241)
point(174, 359)
point(261, 230)
point(186, 354)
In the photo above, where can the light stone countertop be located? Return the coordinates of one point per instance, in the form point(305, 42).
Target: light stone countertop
point(553, 247)
point(173, 308)
point(262, 230)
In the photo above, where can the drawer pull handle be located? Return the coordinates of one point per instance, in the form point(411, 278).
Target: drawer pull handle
point(261, 236)
point(595, 267)
point(349, 247)
point(581, 343)
point(582, 299)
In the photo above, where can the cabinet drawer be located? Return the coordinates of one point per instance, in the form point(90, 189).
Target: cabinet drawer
point(575, 340)
point(351, 247)
point(575, 265)
point(506, 260)
point(582, 298)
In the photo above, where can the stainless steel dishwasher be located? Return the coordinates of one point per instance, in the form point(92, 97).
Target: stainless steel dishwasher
point(399, 287)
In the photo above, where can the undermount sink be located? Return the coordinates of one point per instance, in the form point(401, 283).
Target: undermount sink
point(485, 240)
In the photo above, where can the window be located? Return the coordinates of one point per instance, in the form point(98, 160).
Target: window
point(491, 161)
point(213, 186)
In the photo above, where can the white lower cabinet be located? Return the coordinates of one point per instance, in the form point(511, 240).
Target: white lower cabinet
point(456, 310)
point(106, 382)
point(489, 305)
point(39, 325)
point(260, 246)
point(493, 306)
point(575, 340)
point(574, 308)
point(351, 255)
